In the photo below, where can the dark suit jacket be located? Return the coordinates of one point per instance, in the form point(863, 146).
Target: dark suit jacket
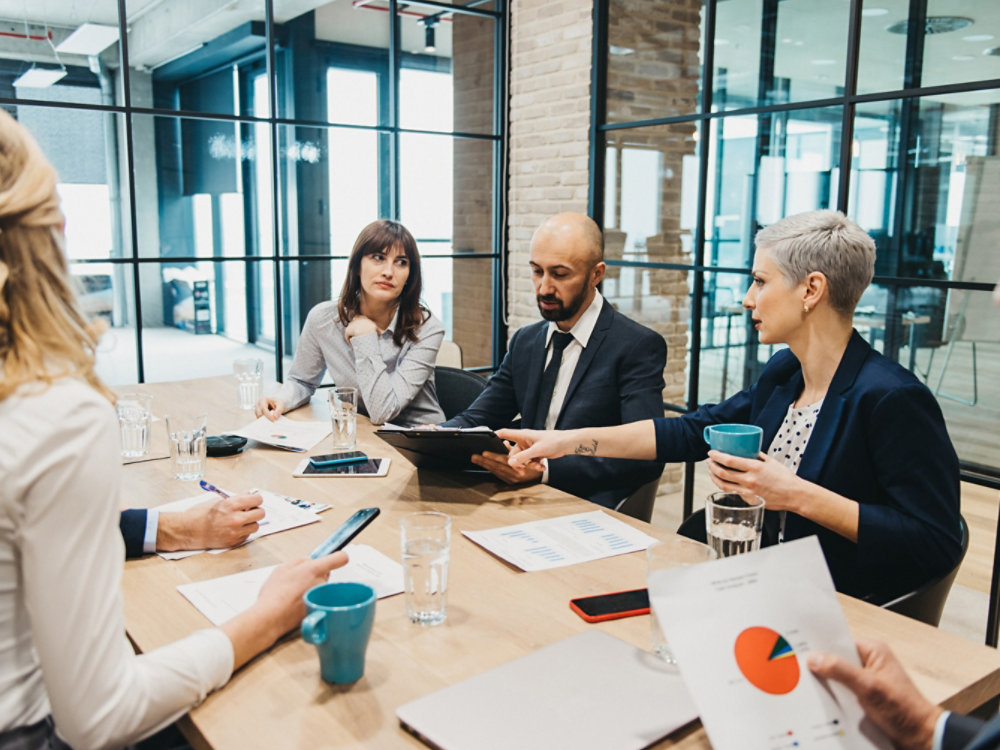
point(880, 439)
point(132, 524)
point(618, 379)
point(967, 733)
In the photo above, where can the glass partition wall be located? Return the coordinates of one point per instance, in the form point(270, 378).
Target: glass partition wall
point(217, 160)
point(713, 118)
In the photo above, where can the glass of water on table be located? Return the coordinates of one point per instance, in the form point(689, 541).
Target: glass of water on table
point(344, 417)
point(733, 522)
point(425, 540)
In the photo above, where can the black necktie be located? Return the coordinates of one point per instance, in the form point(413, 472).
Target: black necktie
point(560, 341)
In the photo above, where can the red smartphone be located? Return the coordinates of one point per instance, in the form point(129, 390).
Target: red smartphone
point(611, 606)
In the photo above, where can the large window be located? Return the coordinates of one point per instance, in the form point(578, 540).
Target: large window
point(217, 161)
point(716, 118)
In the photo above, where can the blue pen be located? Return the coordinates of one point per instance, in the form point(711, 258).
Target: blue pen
point(212, 488)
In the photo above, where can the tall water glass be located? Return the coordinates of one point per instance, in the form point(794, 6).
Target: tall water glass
point(344, 416)
point(249, 376)
point(733, 523)
point(135, 414)
point(425, 540)
point(675, 552)
point(187, 446)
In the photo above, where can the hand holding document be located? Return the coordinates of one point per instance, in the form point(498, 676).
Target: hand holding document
point(287, 434)
point(740, 628)
point(280, 514)
point(557, 542)
point(221, 599)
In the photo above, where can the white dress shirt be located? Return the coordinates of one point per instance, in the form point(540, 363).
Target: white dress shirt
point(63, 648)
point(570, 357)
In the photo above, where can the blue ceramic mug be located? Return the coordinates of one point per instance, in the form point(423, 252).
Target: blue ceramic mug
point(735, 439)
point(339, 624)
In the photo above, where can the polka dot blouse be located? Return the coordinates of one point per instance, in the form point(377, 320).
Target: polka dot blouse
point(793, 435)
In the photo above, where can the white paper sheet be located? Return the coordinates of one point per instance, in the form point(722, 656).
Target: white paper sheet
point(289, 434)
point(220, 599)
point(740, 628)
point(280, 514)
point(557, 542)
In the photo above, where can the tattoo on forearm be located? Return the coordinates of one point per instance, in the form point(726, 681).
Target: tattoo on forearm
point(586, 450)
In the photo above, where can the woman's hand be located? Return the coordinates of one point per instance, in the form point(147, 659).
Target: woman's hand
point(272, 408)
point(528, 447)
point(763, 476)
point(359, 326)
point(279, 606)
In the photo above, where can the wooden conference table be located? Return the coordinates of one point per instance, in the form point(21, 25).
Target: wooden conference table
point(496, 612)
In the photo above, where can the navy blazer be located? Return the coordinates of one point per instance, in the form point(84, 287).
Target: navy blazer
point(132, 524)
point(880, 439)
point(618, 379)
point(968, 733)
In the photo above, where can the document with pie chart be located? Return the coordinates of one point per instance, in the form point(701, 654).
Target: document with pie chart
point(740, 628)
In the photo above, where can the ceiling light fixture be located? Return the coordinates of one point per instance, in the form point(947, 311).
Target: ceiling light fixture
point(429, 22)
point(89, 39)
point(875, 12)
point(39, 78)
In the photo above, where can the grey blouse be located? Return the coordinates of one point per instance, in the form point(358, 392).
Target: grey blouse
point(395, 383)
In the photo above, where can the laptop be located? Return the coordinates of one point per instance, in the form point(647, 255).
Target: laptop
point(442, 449)
point(591, 691)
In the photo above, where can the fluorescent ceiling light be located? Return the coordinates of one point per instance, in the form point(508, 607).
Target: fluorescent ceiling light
point(89, 39)
point(40, 78)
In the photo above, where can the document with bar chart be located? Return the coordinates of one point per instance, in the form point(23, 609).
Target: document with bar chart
point(557, 542)
point(740, 629)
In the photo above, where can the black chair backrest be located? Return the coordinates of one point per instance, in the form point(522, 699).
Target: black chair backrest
point(456, 389)
point(926, 603)
point(640, 503)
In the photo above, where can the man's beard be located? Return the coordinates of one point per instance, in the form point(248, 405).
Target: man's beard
point(563, 312)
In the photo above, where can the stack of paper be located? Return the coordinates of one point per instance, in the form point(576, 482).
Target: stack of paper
point(557, 542)
point(289, 434)
point(220, 599)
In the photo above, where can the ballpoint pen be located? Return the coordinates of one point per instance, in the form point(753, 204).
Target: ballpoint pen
point(212, 488)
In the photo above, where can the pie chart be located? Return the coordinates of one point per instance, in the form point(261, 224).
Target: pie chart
point(767, 660)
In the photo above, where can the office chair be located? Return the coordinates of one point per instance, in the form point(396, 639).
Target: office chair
point(449, 355)
point(456, 389)
point(640, 503)
point(926, 602)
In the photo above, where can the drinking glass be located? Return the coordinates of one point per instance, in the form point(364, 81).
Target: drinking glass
point(425, 540)
point(344, 416)
point(187, 446)
point(135, 414)
point(249, 376)
point(733, 523)
point(675, 552)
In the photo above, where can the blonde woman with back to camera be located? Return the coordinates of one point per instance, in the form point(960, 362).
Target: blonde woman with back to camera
point(68, 676)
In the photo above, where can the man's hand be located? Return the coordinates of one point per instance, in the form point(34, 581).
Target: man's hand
point(496, 464)
point(225, 522)
point(272, 408)
point(885, 692)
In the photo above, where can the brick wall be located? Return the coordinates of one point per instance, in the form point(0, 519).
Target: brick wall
point(549, 141)
point(549, 132)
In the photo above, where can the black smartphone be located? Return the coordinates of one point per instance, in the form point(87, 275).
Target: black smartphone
point(612, 606)
point(347, 531)
point(332, 459)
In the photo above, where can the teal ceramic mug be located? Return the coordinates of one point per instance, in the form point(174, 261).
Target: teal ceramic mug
point(339, 624)
point(735, 439)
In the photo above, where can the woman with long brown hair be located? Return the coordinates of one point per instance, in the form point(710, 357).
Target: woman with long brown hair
point(67, 671)
point(377, 337)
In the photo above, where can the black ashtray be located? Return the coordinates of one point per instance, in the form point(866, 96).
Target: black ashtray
point(224, 445)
